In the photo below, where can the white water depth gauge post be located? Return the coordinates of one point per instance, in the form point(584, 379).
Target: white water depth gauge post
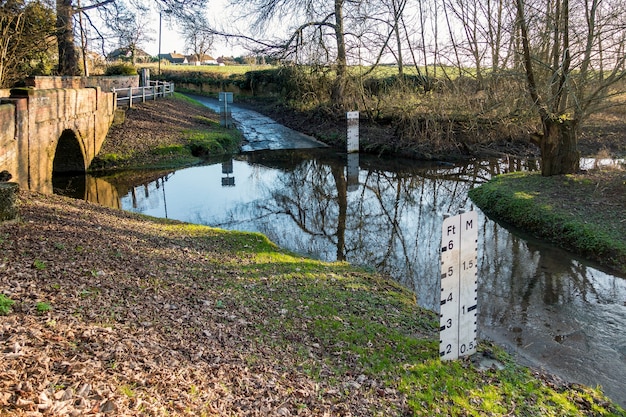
point(226, 99)
point(459, 274)
point(353, 131)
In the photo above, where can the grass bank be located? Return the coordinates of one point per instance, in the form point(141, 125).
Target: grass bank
point(152, 317)
point(585, 213)
point(170, 132)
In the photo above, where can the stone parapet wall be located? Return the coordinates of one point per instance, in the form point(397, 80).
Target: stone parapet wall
point(8, 142)
point(106, 83)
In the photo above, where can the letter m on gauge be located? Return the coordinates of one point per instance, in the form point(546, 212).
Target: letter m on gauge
point(457, 318)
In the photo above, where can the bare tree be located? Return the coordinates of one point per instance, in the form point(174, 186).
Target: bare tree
point(68, 55)
point(318, 21)
point(198, 35)
point(130, 31)
point(11, 26)
point(397, 10)
point(500, 20)
point(387, 31)
point(573, 52)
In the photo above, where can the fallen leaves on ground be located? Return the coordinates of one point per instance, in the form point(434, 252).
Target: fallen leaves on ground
point(142, 322)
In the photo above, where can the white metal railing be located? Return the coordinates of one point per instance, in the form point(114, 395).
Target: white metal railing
point(130, 95)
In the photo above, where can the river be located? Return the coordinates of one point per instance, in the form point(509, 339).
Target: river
point(553, 310)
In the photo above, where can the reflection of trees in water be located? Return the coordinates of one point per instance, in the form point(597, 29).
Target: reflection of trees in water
point(523, 281)
point(391, 222)
point(560, 311)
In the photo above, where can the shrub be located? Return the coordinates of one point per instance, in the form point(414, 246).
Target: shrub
point(121, 69)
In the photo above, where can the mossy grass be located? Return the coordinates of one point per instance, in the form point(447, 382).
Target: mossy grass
point(212, 141)
point(565, 210)
point(335, 318)
point(162, 157)
point(183, 97)
point(219, 141)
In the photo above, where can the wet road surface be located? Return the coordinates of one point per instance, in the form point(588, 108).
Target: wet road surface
point(260, 132)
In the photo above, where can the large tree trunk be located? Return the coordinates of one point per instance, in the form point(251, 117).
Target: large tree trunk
point(559, 147)
point(342, 63)
point(68, 57)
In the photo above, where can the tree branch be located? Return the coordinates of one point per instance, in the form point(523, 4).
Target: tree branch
point(92, 6)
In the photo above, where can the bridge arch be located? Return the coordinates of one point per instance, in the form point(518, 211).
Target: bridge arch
point(68, 155)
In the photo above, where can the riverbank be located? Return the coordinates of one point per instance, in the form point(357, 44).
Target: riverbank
point(120, 314)
point(584, 213)
point(173, 132)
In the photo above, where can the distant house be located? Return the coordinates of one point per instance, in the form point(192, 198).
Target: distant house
point(201, 59)
point(174, 58)
point(226, 60)
point(126, 54)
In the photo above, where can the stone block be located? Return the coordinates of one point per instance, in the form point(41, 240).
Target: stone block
point(119, 117)
point(8, 201)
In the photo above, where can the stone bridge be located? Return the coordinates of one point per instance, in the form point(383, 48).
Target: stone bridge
point(51, 130)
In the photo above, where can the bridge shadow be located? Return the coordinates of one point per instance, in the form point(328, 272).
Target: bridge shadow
point(68, 157)
point(68, 166)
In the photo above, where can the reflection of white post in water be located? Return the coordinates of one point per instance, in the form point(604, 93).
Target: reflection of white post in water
point(353, 172)
point(227, 168)
point(353, 131)
point(164, 200)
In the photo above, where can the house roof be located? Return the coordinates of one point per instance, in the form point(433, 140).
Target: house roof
point(201, 57)
point(127, 53)
point(173, 57)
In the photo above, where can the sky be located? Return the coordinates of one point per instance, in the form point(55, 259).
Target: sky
point(172, 41)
